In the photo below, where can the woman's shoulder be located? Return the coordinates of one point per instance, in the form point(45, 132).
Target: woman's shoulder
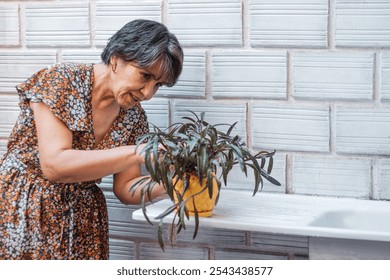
point(64, 72)
point(71, 70)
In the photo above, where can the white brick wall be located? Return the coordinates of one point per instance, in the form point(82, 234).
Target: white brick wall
point(9, 25)
point(301, 23)
point(309, 78)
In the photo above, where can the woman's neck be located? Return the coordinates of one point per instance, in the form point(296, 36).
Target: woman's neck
point(102, 96)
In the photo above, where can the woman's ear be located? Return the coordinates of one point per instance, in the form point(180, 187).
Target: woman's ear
point(113, 63)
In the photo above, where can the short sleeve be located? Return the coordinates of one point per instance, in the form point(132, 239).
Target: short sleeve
point(64, 89)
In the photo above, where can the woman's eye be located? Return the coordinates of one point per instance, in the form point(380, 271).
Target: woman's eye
point(146, 76)
point(158, 85)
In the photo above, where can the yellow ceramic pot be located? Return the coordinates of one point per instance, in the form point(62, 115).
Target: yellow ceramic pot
point(203, 203)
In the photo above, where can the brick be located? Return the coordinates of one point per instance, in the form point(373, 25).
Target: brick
point(9, 111)
point(238, 181)
point(333, 76)
point(157, 110)
point(384, 179)
point(290, 127)
point(3, 147)
point(81, 56)
point(154, 252)
point(363, 131)
point(16, 66)
point(113, 15)
point(385, 70)
point(249, 74)
point(9, 25)
point(206, 23)
point(215, 113)
point(332, 176)
point(362, 23)
point(59, 24)
point(245, 254)
point(121, 249)
point(281, 243)
point(191, 82)
point(211, 236)
point(279, 23)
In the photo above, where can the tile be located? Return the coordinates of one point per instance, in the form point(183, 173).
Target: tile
point(9, 112)
point(332, 177)
point(154, 252)
point(206, 23)
point(238, 181)
point(3, 147)
point(157, 110)
point(191, 82)
point(333, 76)
point(249, 74)
point(121, 249)
point(110, 16)
point(363, 131)
point(280, 23)
point(57, 24)
point(385, 74)
point(362, 23)
point(215, 113)
point(384, 179)
point(245, 254)
point(281, 243)
point(17, 66)
point(81, 56)
point(9, 25)
point(290, 127)
point(207, 235)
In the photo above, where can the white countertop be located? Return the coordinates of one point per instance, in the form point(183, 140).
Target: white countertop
point(293, 214)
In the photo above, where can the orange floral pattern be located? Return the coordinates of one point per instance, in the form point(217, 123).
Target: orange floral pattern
point(40, 219)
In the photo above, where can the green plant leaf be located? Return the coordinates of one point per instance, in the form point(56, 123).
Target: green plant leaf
point(219, 191)
point(209, 182)
point(270, 165)
point(262, 163)
point(270, 179)
point(144, 207)
point(196, 146)
point(168, 211)
point(231, 128)
point(196, 216)
point(160, 234)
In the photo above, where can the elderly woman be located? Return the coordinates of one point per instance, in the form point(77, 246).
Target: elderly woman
point(79, 123)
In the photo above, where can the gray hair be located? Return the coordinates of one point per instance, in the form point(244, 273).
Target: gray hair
point(146, 42)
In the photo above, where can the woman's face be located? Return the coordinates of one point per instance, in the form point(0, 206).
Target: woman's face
point(132, 84)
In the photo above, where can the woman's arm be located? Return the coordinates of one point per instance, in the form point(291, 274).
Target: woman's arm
point(60, 163)
point(123, 182)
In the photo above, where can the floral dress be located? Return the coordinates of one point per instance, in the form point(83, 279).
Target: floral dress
point(40, 219)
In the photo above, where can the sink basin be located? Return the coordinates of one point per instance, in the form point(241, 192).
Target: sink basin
point(338, 228)
point(354, 220)
point(294, 214)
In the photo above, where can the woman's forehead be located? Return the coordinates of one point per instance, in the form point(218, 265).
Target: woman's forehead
point(159, 70)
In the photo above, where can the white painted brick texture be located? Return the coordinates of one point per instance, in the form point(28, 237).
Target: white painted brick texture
point(110, 16)
point(58, 24)
point(308, 78)
point(362, 23)
point(301, 23)
point(9, 24)
point(206, 23)
point(333, 76)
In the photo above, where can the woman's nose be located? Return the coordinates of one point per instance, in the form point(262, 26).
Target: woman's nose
point(149, 90)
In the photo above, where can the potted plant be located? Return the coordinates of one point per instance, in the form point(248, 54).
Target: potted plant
point(191, 160)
